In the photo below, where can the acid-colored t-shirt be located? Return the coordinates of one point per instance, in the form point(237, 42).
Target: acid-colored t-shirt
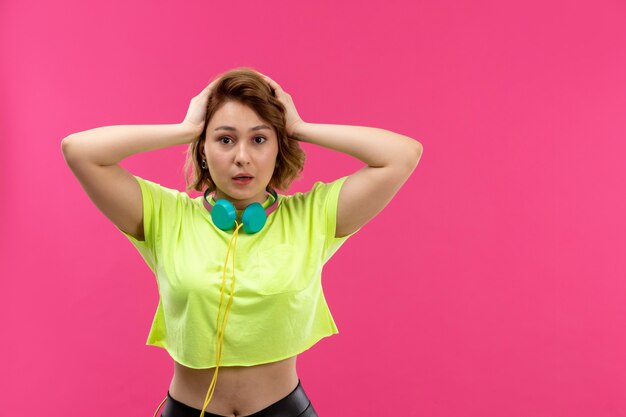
point(278, 308)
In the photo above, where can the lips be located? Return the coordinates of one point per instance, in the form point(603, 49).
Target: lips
point(245, 175)
point(242, 181)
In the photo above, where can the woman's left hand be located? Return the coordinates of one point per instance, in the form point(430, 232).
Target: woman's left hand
point(292, 117)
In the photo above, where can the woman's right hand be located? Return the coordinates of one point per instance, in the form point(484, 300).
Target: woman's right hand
point(196, 113)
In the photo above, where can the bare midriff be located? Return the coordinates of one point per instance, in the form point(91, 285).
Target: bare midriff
point(239, 391)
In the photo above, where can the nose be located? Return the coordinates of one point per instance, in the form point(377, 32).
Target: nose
point(242, 156)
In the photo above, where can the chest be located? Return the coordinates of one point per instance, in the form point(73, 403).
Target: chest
point(195, 257)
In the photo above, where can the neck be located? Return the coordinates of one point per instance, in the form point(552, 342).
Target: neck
point(240, 205)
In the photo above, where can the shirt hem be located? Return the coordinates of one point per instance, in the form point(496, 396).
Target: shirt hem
point(164, 346)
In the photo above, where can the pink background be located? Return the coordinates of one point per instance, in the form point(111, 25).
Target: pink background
point(494, 284)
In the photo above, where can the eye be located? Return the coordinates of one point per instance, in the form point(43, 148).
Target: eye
point(257, 137)
point(223, 137)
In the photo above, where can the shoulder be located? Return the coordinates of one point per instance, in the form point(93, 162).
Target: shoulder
point(157, 189)
point(319, 191)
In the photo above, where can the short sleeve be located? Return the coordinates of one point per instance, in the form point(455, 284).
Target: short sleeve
point(328, 195)
point(151, 198)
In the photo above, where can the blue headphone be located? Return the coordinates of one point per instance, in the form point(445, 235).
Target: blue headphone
point(254, 216)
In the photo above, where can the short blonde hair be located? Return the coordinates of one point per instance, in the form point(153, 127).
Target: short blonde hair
point(246, 86)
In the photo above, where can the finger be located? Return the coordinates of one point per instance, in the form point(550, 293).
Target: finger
point(206, 89)
point(273, 84)
point(268, 79)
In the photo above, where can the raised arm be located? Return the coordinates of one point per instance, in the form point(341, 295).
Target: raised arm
point(390, 159)
point(93, 157)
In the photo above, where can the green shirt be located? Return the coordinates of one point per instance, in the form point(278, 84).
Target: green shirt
point(278, 308)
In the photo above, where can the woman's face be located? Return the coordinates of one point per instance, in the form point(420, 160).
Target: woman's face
point(238, 141)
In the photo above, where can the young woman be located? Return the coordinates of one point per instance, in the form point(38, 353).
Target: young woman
point(243, 132)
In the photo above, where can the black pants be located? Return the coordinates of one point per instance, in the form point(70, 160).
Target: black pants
point(295, 404)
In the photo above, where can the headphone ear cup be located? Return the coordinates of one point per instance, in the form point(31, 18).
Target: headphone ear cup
point(224, 214)
point(253, 218)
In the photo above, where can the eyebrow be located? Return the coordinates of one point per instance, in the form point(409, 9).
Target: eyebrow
point(259, 127)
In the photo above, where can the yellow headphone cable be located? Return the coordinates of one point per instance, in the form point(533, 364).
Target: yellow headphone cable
point(220, 336)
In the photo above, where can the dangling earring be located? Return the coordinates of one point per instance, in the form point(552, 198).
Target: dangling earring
point(203, 164)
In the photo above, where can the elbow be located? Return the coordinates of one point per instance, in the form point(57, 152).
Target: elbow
point(415, 155)
point(65, 148)
point(64, 143)
point(418, 149)
point(407, 156)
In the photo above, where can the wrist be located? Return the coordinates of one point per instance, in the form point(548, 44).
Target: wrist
point(297, 130)
point(191, 132)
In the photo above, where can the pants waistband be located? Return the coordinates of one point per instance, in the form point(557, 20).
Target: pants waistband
point(293, 405)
